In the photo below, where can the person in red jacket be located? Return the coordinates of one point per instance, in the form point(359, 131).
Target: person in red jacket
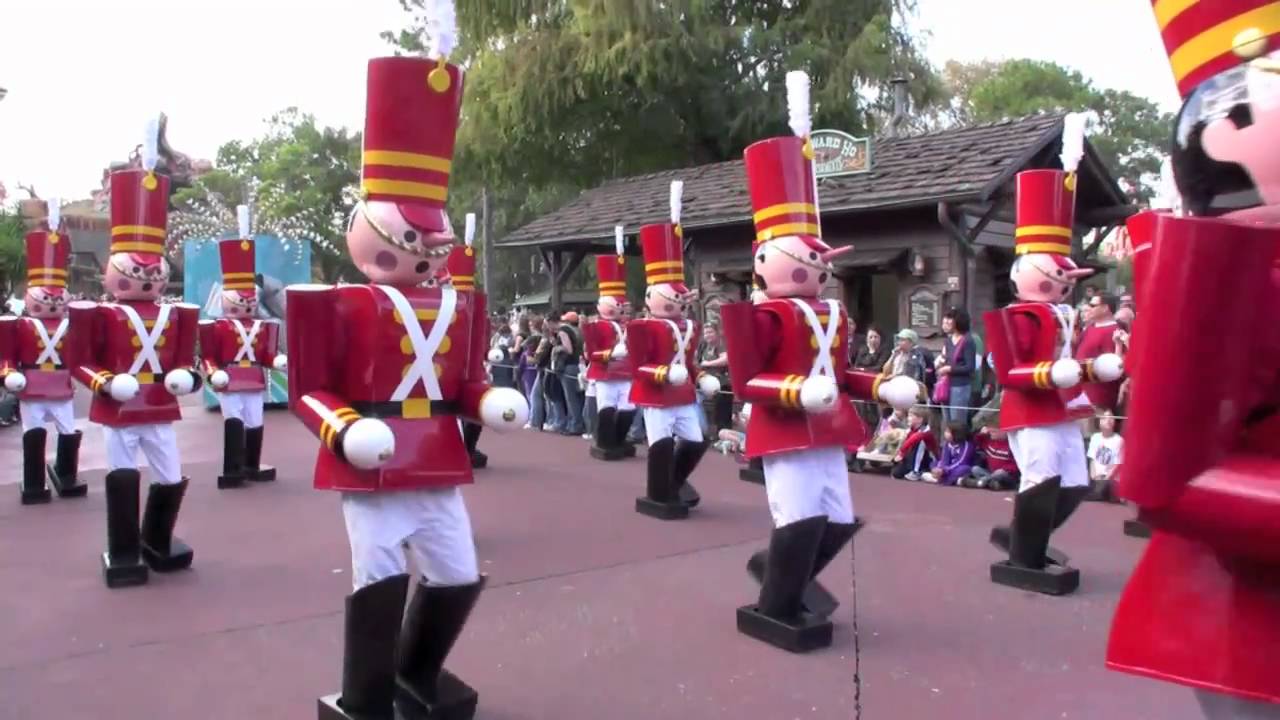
point(1202, 441)
point(1098, 338)
point(919, 450)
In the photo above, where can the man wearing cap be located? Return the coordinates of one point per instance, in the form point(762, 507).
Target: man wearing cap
point(36, 354)
point(606, 347)
point(1202, 439)
point(235, 358)
point(661, 349)
point(381, 373)
point(1031, 343)
point(140, 358)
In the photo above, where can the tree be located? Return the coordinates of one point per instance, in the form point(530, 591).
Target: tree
point(1129, 132)
point(564, 94)
point(13, 250)
point(297, 171)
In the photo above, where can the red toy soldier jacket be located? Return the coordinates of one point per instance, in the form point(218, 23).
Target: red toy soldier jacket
point(43, 350)
point(773, 347)
point(652, 347)
point(601, 337)
point(243, 350)
point(358, 358)
point(142, 339)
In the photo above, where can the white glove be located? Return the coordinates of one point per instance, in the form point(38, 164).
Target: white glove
point(1108, 367)
point(123, 387)
point(1065, 373)
point(504, 408)
point(677, 375)
point(709, 384)
point(281, 363)
point(15, 382)
point(180, 381)
point(818, 394)
point(496, 356)
point(368, 443)
point(219, 379)
point(900, 392)
point(619, 352)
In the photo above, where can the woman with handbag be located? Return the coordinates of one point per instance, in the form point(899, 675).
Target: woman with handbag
point(957, 362)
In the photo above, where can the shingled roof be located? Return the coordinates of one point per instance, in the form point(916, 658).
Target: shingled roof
point(959, 164)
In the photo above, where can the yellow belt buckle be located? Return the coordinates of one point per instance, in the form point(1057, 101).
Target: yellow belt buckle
point(415, 408)
point(146, 378)
point(245, 363)
point(48, 366)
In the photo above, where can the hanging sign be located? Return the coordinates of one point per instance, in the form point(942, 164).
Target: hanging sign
point(838, 153)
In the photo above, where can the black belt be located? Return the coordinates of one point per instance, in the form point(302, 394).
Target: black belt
point(42, 366)
point(412, 409)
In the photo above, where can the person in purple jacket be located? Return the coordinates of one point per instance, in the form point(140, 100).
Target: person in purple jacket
point(957, 456)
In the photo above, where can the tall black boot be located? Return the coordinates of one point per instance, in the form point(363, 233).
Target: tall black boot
point(753, 472)
point(688, 455)
point(661, 498)
point(621, 428)
point(162, 551)
point(1069, 500)
point(608, 445)
point(817, 599)
point(253, 467)
point(435, 619)
point(232, 454)
point(122, 562)
point(471, 438)
point(1028, 567)
point(371, 629)
point(779, 618)
point(33, 489)
point(65, 469)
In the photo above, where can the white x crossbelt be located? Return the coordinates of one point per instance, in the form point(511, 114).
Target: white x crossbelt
point(424, 347)
point(148, 340)
point(49, 353)
point(1067, 323)
point(826, 337)
point(618, 332)
point(682, 341)
point(247, 339)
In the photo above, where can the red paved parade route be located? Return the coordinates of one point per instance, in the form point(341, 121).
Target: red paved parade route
point(592, 612)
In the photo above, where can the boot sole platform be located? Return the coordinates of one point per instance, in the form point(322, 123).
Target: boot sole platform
point(265, 473)
point(72, 490)
point(40, 497)
point(123, 573)
point(751, 475)
point(660, 510)
point(609, 454)
point(230, 481)
point(179, 557)
point(1137, 529)
point(1049, 580)
point(810, 633)
point(458, 701)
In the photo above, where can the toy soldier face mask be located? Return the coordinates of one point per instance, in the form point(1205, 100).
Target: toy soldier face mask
point(387, 249)
point(1240, 110)
point(46, 302)
point(132, 277)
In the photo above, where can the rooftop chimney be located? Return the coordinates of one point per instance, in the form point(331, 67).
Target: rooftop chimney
point(901, 107)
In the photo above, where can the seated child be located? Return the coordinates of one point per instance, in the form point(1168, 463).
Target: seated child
point(1106, 453)
point(957, 456)
point(996, 469)
point(920, 448)
point(734, 440)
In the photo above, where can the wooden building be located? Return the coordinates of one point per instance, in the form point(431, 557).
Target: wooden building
point(930, 217)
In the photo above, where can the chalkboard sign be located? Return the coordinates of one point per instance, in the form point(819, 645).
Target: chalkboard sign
point(924, 308)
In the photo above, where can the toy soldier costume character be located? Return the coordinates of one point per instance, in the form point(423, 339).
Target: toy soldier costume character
point(1030, 341)
point(460, 271)
point(661, 349)
point(606, 343)
point(381, 373)
point(36, 354)
point(140, 357)
point(1202, 607)
point(787, 357)
point(235, 352)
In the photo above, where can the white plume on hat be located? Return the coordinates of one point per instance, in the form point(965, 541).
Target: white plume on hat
point(151, 145)
point(618, 241)
point(469, 235)
point(677, 195)
point(55, 214)
point(1073, 132)
point(242, 219)
point(1167, 196)
point(441, 26)
point(798, 116)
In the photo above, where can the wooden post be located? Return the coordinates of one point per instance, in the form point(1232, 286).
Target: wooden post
point(486, 252)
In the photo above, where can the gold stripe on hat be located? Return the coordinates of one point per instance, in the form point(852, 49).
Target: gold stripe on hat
point(1058, 230)
point(1167, 10)
point(1194, 53)
point(426, 191)
point(242, 285)
point(1043, 247)
point(237, 276)
point(664, 265)
point(138, 230)
point(46, 271)
point(613, 283)
point(785, 209)
point(666, 277)
point(395, 158)
point(140, 247)
point(464, 278)
point(777, 231)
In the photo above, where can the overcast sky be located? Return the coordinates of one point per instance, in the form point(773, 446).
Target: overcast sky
point(83, 76)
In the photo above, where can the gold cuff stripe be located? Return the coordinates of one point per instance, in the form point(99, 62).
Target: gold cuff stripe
point(785, 209)
point(396, 158)
point(425, 191)
point(1058, 230)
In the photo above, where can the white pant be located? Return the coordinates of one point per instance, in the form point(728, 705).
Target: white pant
point(1045, 451)
point(158, 443)
point(808, 483)
point(434, 523)
point(35, 413)
point(683, 421)
point(243, 406)
point(614, 394)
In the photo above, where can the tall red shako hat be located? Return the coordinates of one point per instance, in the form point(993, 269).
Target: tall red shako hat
point(663, 246)
point(411, 122)
point(140, 205)
point(461, 264)
point(238, 267)
point(1206, 37)
point(1046, 200)
point(611, 270)
point(48, 252)
point(780, 178)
